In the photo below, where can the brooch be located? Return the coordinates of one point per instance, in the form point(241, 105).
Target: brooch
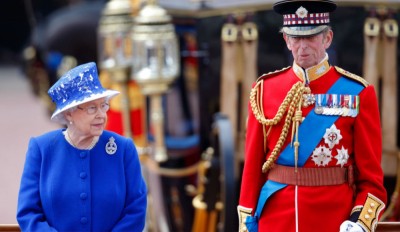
point(111, 146)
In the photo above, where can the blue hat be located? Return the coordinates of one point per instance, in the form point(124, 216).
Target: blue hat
point(79, 85)
point(304, 18)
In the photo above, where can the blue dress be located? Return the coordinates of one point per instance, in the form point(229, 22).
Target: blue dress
point(67, 189)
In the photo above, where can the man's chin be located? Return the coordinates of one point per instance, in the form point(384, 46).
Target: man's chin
point(305, 64)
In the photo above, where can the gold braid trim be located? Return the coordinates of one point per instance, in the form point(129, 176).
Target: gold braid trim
point(370, 212)
point(352, 76)
point(243, 213)
point(292, 101)
point(256, 105)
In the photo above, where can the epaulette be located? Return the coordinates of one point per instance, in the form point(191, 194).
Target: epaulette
point(273, 73)
point(352, 76)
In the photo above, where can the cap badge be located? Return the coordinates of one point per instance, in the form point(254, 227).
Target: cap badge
point(111, 146)
point(301, 12)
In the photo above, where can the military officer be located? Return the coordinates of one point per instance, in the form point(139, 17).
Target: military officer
point(313, 142)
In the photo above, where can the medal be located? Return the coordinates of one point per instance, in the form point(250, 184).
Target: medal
point(354, 105)
point(308, 98)
point(335, 105)
point(345, 105)
point(329, 103)
point(318, 108)
point(357, 108)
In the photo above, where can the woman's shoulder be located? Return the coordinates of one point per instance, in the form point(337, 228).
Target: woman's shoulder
point(47, 140)
point(117, 137)
point(49, 135)
point(111, 139)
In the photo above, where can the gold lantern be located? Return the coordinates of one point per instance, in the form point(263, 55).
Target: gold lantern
point(155, 64)
point(114, 50)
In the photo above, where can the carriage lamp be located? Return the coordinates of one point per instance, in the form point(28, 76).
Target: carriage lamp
point(155, 64)
point(114, 50)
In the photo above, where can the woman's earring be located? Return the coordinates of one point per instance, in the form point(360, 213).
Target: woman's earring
point(70, 122)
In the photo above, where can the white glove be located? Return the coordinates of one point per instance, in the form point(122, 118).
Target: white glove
point(349, 226)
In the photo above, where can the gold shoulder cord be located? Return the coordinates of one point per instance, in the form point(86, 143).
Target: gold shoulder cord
point(292, 101)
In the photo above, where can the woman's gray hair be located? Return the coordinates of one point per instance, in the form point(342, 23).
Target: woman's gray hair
point(72, 109)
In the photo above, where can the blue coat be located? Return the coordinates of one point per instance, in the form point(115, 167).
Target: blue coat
point(67, 189)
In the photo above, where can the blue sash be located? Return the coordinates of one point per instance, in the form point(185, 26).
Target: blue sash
point(314, 126)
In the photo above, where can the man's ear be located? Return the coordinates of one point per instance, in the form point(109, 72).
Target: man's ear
point(328, 39)
point(286, 38)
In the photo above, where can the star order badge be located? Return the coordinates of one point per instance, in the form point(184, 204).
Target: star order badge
point(332, 136)
point(111, 146)
point(322, 156)
point(342, 156)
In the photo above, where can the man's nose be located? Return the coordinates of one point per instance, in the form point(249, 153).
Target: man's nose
point(303, 43)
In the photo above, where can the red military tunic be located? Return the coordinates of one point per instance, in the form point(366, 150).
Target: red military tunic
point(358, 143)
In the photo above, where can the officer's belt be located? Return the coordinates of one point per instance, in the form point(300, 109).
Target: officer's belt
point(311, 176)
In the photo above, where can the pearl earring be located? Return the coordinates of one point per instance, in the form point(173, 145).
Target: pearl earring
point(70, 122)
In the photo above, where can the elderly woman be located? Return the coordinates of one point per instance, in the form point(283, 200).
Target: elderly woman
point(82, 178)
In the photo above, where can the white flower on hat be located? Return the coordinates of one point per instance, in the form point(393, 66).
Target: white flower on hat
point(301, 12)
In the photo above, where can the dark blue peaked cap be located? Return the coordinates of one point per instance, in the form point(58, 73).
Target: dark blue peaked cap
point(290, 6)
point(304, 18)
